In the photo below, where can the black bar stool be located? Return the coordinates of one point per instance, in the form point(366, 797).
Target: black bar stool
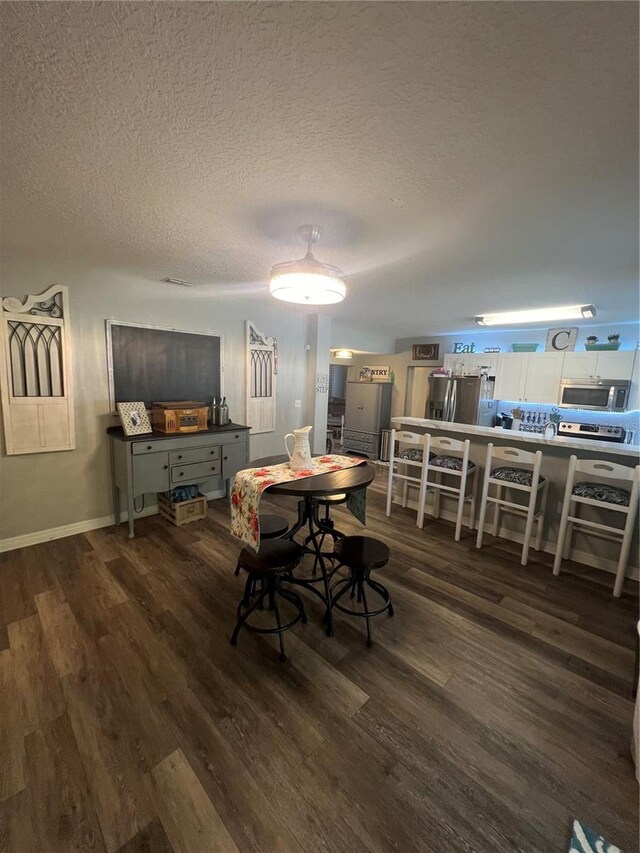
point(275, 558)
point(361, 554)
point(271, 527)
point(324, 526)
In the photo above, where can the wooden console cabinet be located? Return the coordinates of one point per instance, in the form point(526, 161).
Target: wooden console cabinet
point(157, 462)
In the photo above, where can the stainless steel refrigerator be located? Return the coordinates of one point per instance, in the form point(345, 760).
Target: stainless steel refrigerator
point(461, 399)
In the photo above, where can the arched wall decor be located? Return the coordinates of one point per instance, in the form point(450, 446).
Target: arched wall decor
point(35, 373)
point(262, 370)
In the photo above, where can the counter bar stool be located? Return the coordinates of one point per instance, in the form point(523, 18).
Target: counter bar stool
point(412, 450)
point(603, 496)
point(521, 471)
point(275, 558)
point(449, 457)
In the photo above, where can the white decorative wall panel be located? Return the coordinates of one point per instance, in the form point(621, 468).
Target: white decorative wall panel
point(35, 378)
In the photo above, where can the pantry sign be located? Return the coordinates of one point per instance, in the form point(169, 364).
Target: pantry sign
point(375, 373)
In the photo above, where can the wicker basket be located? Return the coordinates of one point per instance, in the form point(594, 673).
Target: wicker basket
point(183, 512)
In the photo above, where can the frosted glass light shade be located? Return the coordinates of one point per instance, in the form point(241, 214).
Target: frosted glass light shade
point(307, 287)
point(308, 281)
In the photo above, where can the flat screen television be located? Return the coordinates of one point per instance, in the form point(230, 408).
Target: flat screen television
point(153, 364)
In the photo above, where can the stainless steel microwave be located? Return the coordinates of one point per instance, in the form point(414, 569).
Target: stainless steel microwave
point(598, 395)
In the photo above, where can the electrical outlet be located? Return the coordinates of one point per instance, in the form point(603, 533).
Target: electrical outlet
point(297, 404)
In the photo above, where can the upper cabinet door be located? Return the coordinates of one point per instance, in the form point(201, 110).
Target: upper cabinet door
point(579, 365)
point(544, 371)
point(487, 360)
point(512, 373)
point(614, 365)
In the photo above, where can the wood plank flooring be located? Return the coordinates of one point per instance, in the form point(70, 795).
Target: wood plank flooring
point(493, 708)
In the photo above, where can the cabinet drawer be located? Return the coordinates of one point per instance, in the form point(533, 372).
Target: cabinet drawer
point(360, 437)
point(197, 471)
point(195, 454)
point(233, 437)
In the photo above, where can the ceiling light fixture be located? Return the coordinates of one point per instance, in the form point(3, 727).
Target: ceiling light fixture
point(308, 281)
point(343, 353)
point(537, 315)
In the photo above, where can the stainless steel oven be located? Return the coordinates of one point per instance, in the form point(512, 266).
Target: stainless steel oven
point(598, 395)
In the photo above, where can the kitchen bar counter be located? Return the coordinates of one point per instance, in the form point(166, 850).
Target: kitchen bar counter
point(600, 553)
point(575, 445)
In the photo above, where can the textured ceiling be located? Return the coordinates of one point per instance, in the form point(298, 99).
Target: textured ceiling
point(460, 158)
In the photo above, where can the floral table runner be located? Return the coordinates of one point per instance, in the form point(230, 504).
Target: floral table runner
point(250, 483)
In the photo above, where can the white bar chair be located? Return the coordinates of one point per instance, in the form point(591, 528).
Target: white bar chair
point(449, 457)
point(589, 492)
point(519, 470)
point(410, 455)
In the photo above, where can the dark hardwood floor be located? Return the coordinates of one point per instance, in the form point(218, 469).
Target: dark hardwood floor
point(493, 708)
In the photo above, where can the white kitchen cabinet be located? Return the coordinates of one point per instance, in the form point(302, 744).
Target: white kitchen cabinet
point(579, 365)
point(603, 364)
point(614, 365)
point(529, 377)
point(471, 362)
point(487, 360)
point(542, 382)
point(511, 376)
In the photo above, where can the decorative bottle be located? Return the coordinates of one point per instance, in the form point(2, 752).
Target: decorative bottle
point(224, 412)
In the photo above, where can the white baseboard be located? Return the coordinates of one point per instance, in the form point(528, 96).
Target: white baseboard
point(14, 542)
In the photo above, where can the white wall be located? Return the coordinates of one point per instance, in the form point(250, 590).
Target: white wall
point(348, 336)
point(47, 490)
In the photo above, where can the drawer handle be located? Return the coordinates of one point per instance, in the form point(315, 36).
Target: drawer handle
point(165, 467)
point(149, 447)
point(182, 473)
point(213, 453)
point(237, 436)
point(225, 458)
point(180, 456)
point(213, 467)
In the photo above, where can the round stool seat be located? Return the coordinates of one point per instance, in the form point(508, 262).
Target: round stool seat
point(362, 552)
point(274, 557)
point(331, 500)
point(272, 526)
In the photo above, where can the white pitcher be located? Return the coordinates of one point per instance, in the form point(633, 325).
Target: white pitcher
point(300, 456)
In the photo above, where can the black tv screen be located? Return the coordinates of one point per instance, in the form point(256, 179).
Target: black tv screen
point(156, 365)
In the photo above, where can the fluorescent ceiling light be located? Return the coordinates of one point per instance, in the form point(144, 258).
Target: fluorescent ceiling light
point(307, 280)
point(537, 315)
point(343, 353)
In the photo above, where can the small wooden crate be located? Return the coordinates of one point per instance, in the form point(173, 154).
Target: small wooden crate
point(183, 512)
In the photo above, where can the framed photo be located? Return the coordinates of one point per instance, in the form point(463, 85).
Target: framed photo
point(425, 352)
point(134, 418)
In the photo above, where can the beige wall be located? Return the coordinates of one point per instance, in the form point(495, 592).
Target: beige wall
point(48, 490)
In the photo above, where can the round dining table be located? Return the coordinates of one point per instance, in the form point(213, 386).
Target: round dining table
point(308, 490)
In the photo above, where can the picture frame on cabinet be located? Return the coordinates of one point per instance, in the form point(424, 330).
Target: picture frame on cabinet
point(134, 418)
